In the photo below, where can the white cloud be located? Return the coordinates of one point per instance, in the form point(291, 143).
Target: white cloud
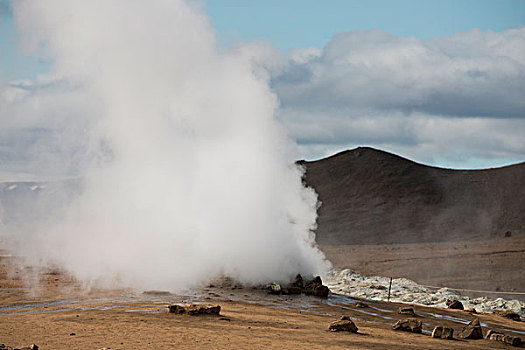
point(378, 89)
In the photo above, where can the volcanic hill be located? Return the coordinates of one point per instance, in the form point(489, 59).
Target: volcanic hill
point(384, 214)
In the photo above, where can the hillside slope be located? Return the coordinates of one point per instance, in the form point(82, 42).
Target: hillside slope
point(374, 197)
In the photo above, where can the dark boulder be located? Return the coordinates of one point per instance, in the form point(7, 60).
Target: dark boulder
point(321, 291)
point(315, 287)
point(298, 281)
point(454, 304)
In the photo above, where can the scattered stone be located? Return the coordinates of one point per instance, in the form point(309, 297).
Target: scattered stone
point(507, 314)
point(72, 334)
point(298, 281)
point(454, 304)
point(316, 288)
point(360, 305)
point(274, 288)
point(406, 311)
point(409, 325)
point(508, 339)
point(472, 331)
point(225, 319)
point(193, 309)
point(490, 332)
point(310, 285)
point(443, 332)
point(321, 291)
point(291, 290)
point(344, 324)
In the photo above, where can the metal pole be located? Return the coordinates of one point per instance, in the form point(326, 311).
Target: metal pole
point(389, 288)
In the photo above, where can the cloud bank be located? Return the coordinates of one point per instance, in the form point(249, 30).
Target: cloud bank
point(186, 172)
point(456, 98)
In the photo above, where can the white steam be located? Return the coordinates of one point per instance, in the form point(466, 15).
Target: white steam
point(186, 172)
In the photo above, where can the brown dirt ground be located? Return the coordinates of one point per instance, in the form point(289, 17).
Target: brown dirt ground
point(256, 320)
point(485, 264)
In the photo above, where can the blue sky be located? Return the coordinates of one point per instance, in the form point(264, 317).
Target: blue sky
point(303, 23)
point(440, 82)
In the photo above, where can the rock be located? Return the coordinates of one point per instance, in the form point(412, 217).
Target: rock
point(490, 332)
point(472, 331)
point(406, 311)
point(454, 304)
point(317, 280)
point(448, 333)
point(507, 314)
point(311, 286)
point(193, 309)
point(443, 332)
point(321, 291)
point(345, 324)
point(360, 305)
point(298, 281)
point(30, 347)
point(291, 290)
point(508, 339)
point(409, 325)
point(471, 310)
point(514, 341)
point(274, 288)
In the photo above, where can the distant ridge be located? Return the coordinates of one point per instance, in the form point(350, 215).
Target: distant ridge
point(370, 196)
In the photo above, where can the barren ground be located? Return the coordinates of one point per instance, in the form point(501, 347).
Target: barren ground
point(59, 315)
point(498, 264)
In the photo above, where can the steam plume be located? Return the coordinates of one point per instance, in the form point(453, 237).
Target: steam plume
point(186, 173)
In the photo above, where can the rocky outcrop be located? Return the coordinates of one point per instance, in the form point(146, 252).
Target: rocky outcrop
point(194, 309)
point(345, 324)
point(443, 332)
point(408, 325)
point(472, 331)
